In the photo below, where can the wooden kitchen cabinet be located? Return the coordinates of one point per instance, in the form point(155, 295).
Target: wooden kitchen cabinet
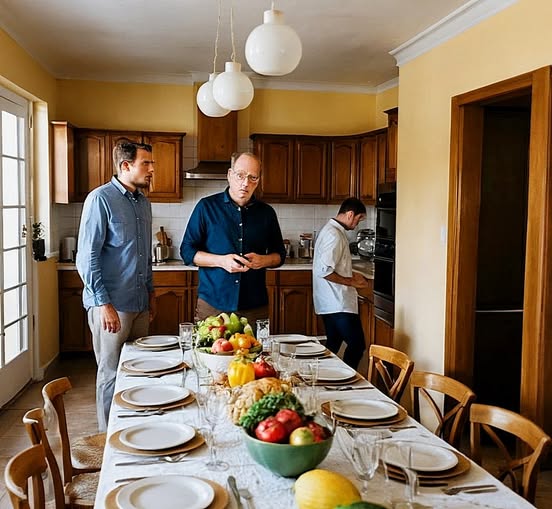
point(173, 293)
point(277, 157)
point(344, 170)
point(383, 332)
point(91, 162)
point(392, 132)
point(311, 169)
point(75, 335)
point(295, 308)
point(368, 170)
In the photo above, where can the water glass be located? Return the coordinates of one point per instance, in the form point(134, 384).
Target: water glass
point(365, 455)
point(214, 412)
point(186, 330)
point(400, 453)
point(306, 394)
point(263, 334)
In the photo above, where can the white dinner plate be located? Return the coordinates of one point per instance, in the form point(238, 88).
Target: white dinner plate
point(156, 436)
point(365, 409)
point(291, 338)
point(167, 492)
point(335, 373)
point(154, 395)
point(157, 341)
point(149, 364)
point(425, 457)
point(309, 349)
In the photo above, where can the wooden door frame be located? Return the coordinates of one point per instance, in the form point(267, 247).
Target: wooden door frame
point(464, 201)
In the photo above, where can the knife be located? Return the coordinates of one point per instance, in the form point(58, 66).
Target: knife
point(234, 488)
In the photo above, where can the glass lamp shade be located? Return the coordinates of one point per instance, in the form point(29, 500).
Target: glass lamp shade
point(206, 102)
point(232, 89)
point(273, 48)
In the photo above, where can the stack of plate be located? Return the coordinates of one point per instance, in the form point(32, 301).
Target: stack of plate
point(310, 349)
point(433, 464)
point(365, 412)
point(158, 396)
point(336, 375)
point(152, 365)
point(157, 343)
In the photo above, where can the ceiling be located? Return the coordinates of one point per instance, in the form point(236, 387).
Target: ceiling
point(345, 42)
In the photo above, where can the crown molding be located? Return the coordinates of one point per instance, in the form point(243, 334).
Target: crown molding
point(160, 79)
point(387, 85)
point(312, 86)
point(450, 26)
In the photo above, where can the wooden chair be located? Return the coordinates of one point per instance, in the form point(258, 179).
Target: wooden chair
point(389, 370)
point(28, 464)
point(80, 491)
point(451, 421)
point(529, 438)
point(84, 454)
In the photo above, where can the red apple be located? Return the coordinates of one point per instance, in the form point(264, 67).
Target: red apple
point(271, 430)
point(222, 345)
point(289, 418)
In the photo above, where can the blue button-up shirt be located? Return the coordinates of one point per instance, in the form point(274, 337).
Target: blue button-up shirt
point(220, 226)
point(114, 250)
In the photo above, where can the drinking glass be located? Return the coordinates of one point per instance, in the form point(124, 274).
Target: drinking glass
point(214, 412)
point(365, 455)
point(185, 341)
point(287, 365)
point(263, 334)
point(400, 453)
point(204, 382)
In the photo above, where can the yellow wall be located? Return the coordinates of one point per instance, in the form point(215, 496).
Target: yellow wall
point(384, 101)
point(514, 41)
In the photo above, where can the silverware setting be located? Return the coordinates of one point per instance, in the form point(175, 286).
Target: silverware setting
point(143, 414)
point(393, 429)
point(177, 458)
point(130, 479)
point(346, 388)
point(150, 375)
point(474, 488)
point(234, 488)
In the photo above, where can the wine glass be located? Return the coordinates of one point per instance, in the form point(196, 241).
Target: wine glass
point(401, 454)
point(365, 455)
point(263, 334)
point(185, 341)
point(214, 412)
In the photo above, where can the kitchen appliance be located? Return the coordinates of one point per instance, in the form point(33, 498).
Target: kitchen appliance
point(366, 243)
point(305, 245)
point(162, 250)
point(68, 249)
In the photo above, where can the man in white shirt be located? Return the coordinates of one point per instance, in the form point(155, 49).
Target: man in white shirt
point(334, 282)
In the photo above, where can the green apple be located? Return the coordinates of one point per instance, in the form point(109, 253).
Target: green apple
point(301, 436)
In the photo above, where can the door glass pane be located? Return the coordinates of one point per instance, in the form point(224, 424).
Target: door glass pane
point(12, 228)
point(9, 134)
point(23, 296)
point(12, 341)
point(10, 182)
point(23, 264)
point(11, 268)
point(22, 194)
point(11, 306)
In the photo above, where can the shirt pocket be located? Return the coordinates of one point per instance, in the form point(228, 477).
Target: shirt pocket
point(117, 234)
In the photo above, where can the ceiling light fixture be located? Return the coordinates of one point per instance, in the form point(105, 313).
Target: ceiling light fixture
point(273, 48)
point(205, 100)
point(232, 89)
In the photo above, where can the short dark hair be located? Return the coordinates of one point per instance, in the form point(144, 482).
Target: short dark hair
point(126, 150)
point(354, 205)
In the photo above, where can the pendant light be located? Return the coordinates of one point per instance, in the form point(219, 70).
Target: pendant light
point(205, 100)
point(232, 89)
point(273, 48)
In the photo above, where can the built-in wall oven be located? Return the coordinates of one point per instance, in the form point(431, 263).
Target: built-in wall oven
point(384, 254)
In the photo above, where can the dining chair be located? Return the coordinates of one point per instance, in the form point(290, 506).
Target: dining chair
point(529, 437)
point(27, 464)
point(389, 370)
point(453, 414)
point(80, 491)
point(84, 454)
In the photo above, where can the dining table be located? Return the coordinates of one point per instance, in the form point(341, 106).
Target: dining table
point(268, 490)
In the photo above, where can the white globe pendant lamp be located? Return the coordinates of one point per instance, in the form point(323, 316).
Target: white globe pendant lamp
point(273, 48)
point(232, 89)
point(206, 102)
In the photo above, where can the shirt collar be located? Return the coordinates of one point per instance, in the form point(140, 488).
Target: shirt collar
point(227, 199)
point(339, 225)
point(123, 190)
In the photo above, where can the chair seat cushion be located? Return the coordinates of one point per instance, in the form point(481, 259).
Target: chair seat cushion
point(87, 452)
point(81, 491)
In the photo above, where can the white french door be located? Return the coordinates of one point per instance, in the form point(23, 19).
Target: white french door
point(15, 357)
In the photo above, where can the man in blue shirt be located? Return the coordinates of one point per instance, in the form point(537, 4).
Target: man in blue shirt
point(233, 238)
point(114, 263)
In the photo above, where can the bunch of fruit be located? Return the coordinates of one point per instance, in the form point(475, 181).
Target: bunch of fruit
point(242, 370)
point(222, 326)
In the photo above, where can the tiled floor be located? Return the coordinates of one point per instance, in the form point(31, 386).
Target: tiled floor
point(81, 416)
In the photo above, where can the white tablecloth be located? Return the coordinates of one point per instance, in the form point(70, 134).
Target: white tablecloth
point(269, 490)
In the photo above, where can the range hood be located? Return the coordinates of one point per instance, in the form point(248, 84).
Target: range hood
point(217, 140)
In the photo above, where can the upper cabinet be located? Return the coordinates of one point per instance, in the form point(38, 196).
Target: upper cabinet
point(344, 170)
point(83, 161)
point(392, 131)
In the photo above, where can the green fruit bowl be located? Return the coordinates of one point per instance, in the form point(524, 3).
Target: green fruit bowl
point(284, 459)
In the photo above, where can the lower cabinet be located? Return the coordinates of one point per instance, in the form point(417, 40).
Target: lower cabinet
point(383, 332)
point(75, 336)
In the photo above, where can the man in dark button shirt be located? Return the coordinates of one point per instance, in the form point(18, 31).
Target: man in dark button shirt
point(233, 238)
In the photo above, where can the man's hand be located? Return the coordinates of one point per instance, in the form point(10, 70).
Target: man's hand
point(257, 261)
point(358, 280)
point(234, 263)
point(152, 306)
point(110, 318)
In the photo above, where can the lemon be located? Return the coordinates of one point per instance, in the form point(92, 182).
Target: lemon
point(323, 489)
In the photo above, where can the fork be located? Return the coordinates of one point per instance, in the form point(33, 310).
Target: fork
point(345, 388)
point(143, 414)
point(475, 488)
point(177, 458)
point(248, 497)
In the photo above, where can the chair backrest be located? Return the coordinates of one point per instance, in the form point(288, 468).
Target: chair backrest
point(389, 370)
point(533, 439)
point(53, 393)
point(34, 424)
point(28, 464)
point(456, 405)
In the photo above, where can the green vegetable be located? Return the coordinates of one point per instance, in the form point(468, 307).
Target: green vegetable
point(269, 405)
point(360, 505)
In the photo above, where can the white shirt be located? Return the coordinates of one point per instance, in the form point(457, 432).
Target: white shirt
point(331, 254)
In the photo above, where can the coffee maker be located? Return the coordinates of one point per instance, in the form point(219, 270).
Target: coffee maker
point(305, 248)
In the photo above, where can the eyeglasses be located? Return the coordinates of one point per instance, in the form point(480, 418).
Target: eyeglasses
point(242, 176)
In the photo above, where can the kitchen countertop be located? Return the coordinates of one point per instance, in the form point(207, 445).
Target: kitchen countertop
point(365, 267)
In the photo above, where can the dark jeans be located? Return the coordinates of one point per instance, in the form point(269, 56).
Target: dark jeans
point(345, 327)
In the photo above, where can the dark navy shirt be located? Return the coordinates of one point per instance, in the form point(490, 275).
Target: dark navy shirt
point(220, 226)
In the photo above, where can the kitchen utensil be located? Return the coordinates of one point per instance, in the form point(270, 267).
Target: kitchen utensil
point(305, 245)
point(366, 239)
point(454, 490)
point(177, 458)
point(345, 388)
point(67, 250)
point(235, 491)
point(162, 252)
point(245, 493)
point(142, 414)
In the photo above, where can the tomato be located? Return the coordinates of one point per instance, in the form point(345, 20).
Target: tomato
point(320, 433)
point(289, 418)
point(301, 436)
point(222, 345)
point(271, 430)
point(263, 368)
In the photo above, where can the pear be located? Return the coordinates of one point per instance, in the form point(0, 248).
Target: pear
point(225, 318)
point(243, 320)
point(248, 330)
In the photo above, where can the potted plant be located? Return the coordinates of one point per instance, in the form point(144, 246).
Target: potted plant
point(39, 247)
